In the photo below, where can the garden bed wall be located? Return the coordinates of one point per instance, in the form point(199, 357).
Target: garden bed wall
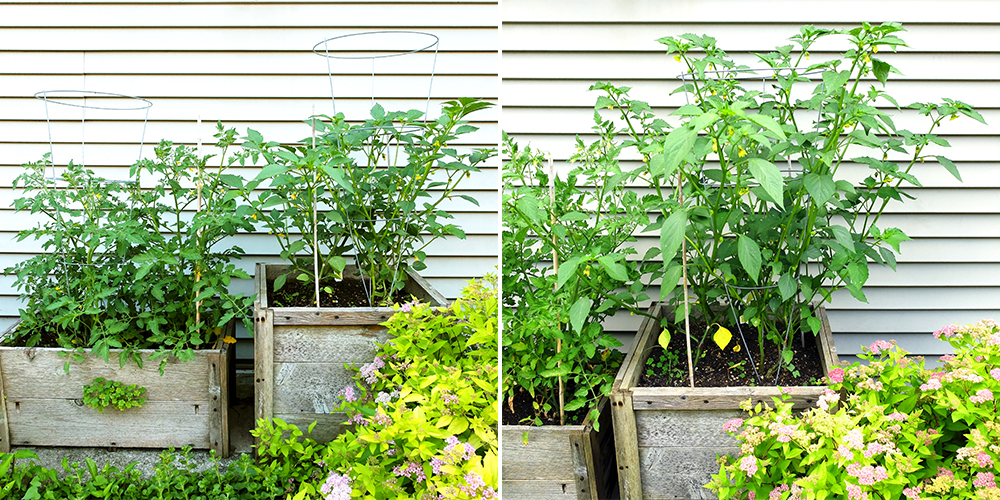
point(43, 404)
point(668, 438)
point(560, 461)
point(300, 352)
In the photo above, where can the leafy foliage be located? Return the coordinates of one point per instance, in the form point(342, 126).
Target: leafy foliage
point(424, 413)
point(101, 393)
point(888, 429)
point(128, 266)
point(380, 187)
point(762, 183)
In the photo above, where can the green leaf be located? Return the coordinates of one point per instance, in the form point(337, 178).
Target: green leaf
point(566, 271)
point(769, 177)
point(578, 313)
point(949, 166)
point(669, 281)
point(894, 236)
point(614, 269)
point(749, 255)
point(529, 207)
point(881, 70)
point(271, 171)
point(820, 187)
point(672, 234)
point(843, 236)
point(675, 148)
point(768, 123)
point(524, 438)
point(787, 287)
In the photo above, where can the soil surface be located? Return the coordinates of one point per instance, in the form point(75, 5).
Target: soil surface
point(731, 367)
point(513, 412)
point(348, 292)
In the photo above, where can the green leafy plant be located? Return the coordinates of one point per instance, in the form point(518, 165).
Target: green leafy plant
point(756, 189)
point(887, 429)
point(128, 266)
point(377, 188)
point(100, 394)
point(424, 413)
point(566, 243)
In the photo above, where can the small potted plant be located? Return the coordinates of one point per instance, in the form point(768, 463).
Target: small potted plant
point(376, 189)
point(132, 278)
point(565, 246)
point(760, 223)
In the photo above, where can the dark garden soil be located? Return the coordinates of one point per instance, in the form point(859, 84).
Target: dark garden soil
point(515, 412)
point(730, 367)
point(348, 292)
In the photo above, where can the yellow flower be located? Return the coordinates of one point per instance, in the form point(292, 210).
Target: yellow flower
point(58, 289)
point(229, 339)
point(254, 216)
point(874, 49)
point(953, 117)
point(742, 152)
point(587, 271)
point(715, 145)
point(807, 56)
point(677, 58)
point(731, 131)
point(292, 195)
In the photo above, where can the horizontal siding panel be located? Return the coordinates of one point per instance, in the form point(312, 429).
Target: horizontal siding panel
point(753, 37)
point(739, 11)
point(899, 298)
point(904, 320)
point(251, 14)
point(291, 38)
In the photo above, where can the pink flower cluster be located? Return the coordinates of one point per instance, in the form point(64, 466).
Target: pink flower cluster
point(348, 394)
point(947, 331)
point(854, 440)
point(982, 396)
point(776, 493)
point(912, 493)
point(369, 371)
point(984, 480)
point(874, 448)
point(336, 487)
point(984, 459)
point(732, 425)
point(933, 383)
point(749, 465)
point(867, 475)
point(454, 453)
point(995, 373)
point(836, 375)
point(411, 470)
point(878, 346)
point(896, 416)
point(783, 431)
point(854, 492)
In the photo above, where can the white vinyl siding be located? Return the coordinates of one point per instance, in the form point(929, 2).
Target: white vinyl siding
point(553, 51)
point(250, 65)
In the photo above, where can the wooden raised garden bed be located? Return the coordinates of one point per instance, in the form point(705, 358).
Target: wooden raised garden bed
point(299, 352)
point(668, 438)
point(43, 405)
point(559, 461)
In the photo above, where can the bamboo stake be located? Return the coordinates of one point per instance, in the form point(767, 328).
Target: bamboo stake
point(197, 269)
point(555, 263)
point(312, 122)
point(684, 270)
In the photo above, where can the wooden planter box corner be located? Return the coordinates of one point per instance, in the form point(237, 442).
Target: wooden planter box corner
point(299, 352)
point(560, 461)
point(43, 405)
point(668, 438)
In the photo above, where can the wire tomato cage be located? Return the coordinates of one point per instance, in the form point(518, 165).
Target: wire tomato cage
point(764, 75)
point(396, 52)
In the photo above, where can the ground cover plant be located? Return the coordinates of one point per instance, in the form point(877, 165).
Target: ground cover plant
point(422, 415)
point(126, 267)
point(887, 429)
point(769, 196)
point(565, 260)
point(377, 189)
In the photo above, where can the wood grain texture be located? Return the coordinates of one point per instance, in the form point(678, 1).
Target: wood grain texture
point(828, 348)
point(219, 402)
point(679, 473)
point(263, 377)
point(716, 398)
point(39, 372)
point(308, 387)
point(686, 429)
point(548, 454)
point(532, 489)
point(626, 443)
point(63, 422)
point(4, 428)
point(327, 344)
point(328, 425)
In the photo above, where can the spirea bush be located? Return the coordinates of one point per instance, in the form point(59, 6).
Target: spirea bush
point(423, 414)
point(890, 429)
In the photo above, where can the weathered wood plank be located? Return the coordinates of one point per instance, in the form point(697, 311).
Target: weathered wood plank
point(61, 422)
point(828, 348)
point(218, 384)
point(38, 372)
point(626, 443)
point(333, 316)
point(328, 425)
point(548, 455)
point(581, 465)
point(308, 387)
point(326, 344)
point(686, 429)
point(675, 473)
point(528, 489)
point(263, 365)
point(716, 398)
point(4, 428)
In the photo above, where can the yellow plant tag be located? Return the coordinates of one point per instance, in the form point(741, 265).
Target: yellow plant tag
point(664, 339)
point(722, 337)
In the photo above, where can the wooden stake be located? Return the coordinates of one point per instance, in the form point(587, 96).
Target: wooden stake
point(555, 263)
point(684, 270)
point(312, 122)
point(197, 268)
